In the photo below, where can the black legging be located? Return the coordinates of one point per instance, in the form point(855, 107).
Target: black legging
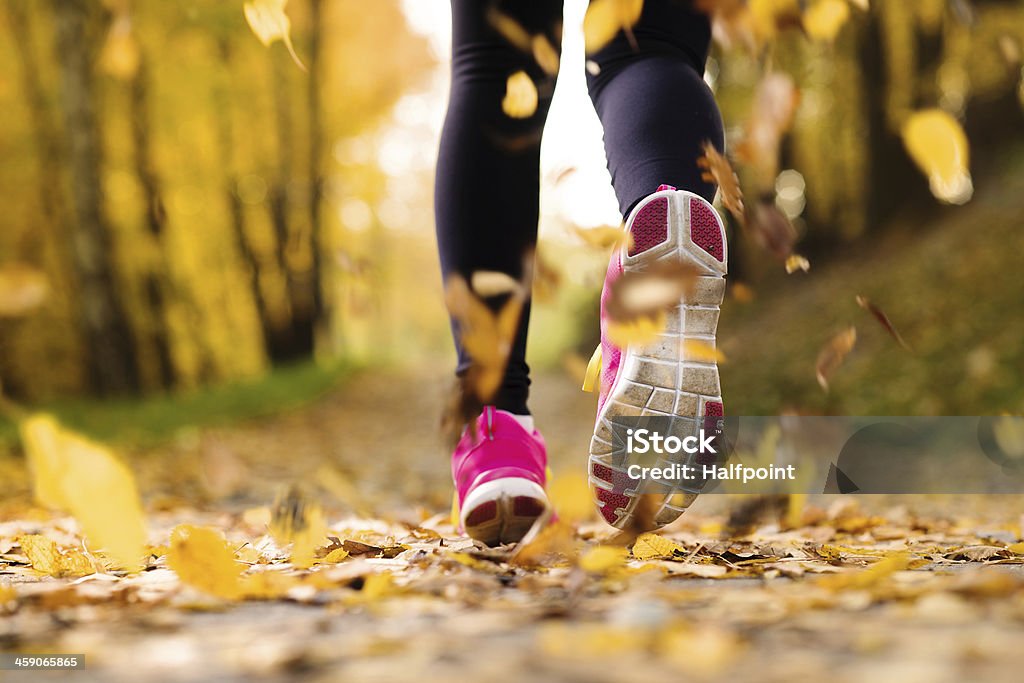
point(654, 106)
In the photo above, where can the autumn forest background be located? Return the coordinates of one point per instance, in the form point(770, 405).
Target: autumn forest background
point(217, 268)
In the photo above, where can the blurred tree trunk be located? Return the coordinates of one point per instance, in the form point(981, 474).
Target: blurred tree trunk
point(104, 323)
point(157, 278)
point(316, 178)
point(273, 335)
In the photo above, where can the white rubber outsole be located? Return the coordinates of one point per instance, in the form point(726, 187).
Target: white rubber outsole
point(517, 503)
point(660, 378)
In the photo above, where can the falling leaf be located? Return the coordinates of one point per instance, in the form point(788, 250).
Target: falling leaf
point(554, 543)
point(22, 289)
point(47, 558)
point(938, 145)
point(833, 353)
point(716, 169)
point(520, 100)
point(73, 473)
point(770, 228)
point(570, 496)
point(637, 331)
point(203, 559)
point(547, 278)
point(882, 319)
point(775, 102)
point(299, 521)
point(510, 29)
point(488, 283)
point(742, 293)
point(120, 56)
point(379, 586)
point(545, 54)
point(824, 19)
point(795, 262)
point(650, 546)
point(604, 237)
point(653, 290)
point(701, 351)
point(605, 18)
point(269, 22)
point(603, 559)
point(486, 336)
point(593, 68)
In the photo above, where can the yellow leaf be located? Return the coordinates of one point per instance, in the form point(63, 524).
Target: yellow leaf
point(702, 351)
point(266, 585)
point(937, 144)
point(22, 289)
point(268, 21)
point(604, 237)
point(335, 556)
point(605, 18)
point(603, 559)
point(73, 473)
point(639, 331)
point(203, 559)
point(520, 96)
point(870, 577)
point(7, 594)
point(378, 586)
point(570, 496)
point(48, 559)
point(492, 283)
point(824, 19)
point(797, 262)
point(545, 54)
point(1016, 548)
point(650, 546)
point(593, 372)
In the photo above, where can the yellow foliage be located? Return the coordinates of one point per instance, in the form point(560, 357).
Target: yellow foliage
point(520, 100)
point(603, 559)
point(638, 331)
point(825, 18)
point(938, 145)
point(300, 522)
point(570, 496)
point(702, 351)
point(650, 546)
point(72, 473)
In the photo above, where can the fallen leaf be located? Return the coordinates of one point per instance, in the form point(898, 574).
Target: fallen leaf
point(47, 558)
point(203, 559)
point(833, 353)
point(520, 100)
point(870, 577)
point(650, 546)
point(603, 559)
point(938, 145)
point(882, 319)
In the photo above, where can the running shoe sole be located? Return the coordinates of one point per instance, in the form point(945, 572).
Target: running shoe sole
point(660, 377)
point(502, 510)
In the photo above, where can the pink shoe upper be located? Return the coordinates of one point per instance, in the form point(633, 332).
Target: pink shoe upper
point(502, 448)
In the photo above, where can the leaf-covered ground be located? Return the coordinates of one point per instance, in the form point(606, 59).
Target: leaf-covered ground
point(845, 588)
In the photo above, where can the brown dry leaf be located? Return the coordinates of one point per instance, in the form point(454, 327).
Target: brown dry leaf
point(775, 103)
point(882, 319)
point(938, 145)
point(605, 18)
point(22, 289)
point(650, 546)
point(604, 237)
point(832, 354)
point(770, 228)
point(717, 170)
point(269, 22)
point(73, 473)
point(47, 558)
point(795, 262)
point(823, 19)
point(545, 54)
point(299, 521)
point(203, 559)
point(701, 351)
point(521, 98)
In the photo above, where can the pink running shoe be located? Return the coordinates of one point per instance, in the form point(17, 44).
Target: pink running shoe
point(658, 378)
point(499, 478)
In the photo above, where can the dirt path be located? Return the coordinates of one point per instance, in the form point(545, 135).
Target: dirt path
point(850, 594)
